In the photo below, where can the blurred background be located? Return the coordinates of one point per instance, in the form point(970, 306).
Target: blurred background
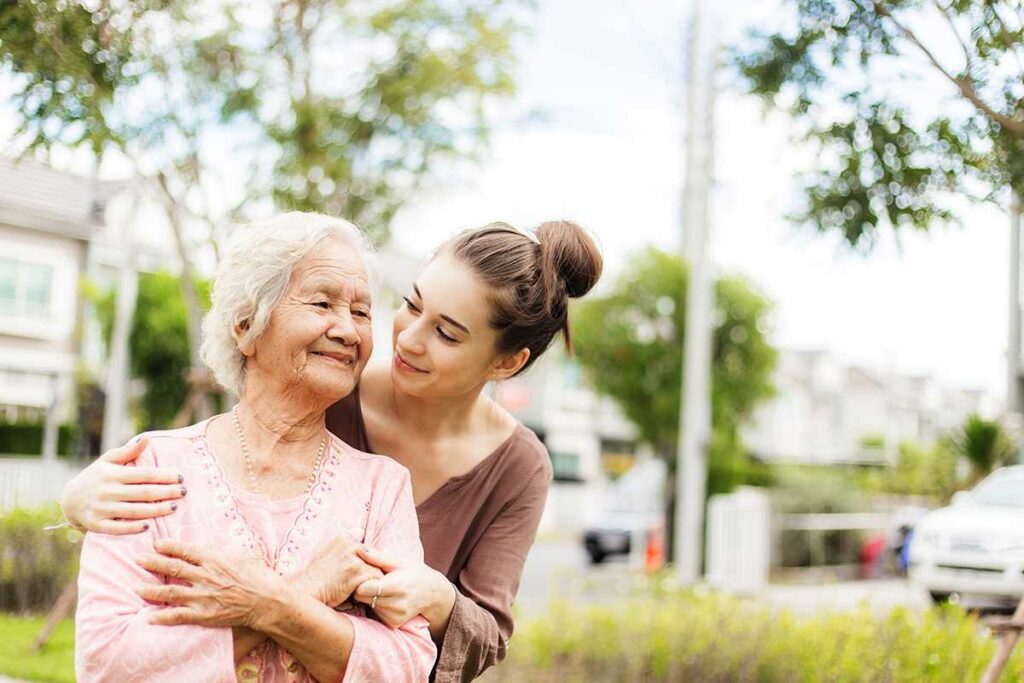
point(802, 362)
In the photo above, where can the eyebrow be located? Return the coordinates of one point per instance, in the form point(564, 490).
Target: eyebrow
point(332, 289)
point(444, 317)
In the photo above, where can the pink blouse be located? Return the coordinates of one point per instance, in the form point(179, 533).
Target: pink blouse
point(366, 497)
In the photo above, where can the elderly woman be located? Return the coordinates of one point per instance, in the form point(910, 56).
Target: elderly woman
point(226, 587)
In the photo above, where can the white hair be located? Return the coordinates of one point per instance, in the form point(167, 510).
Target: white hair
point(251, 279)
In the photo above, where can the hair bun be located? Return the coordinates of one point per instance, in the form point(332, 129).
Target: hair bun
point(570, 252)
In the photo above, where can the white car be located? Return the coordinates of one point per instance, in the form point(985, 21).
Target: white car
point(630, 509)
point(976, 545)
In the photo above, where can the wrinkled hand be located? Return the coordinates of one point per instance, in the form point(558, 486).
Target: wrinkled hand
point(408, 588)
point(109, 498)
point(225, 589)
point(336, 570)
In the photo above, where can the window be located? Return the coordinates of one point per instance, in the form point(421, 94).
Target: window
point(566, 466)
point(25, 289)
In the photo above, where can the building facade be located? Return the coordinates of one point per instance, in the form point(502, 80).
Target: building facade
point(48, 222)
point(826, 413)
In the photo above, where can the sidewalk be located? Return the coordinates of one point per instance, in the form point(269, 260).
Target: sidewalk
point(881, 595)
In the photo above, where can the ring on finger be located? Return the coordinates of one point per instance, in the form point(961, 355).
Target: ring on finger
point(373, 603)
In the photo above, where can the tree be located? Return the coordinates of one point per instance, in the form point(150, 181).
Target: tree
point(984, 444)
point(629, 342)
point(159, 342)
point(848, 71)
point(329, 105)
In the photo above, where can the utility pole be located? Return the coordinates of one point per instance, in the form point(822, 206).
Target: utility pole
point(695, 412)
point(1014, 384)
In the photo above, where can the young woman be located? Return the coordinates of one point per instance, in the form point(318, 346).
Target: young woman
point(483, 309)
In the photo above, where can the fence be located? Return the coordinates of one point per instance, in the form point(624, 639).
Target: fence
point(745, 539)
point(739, 540)
point(31, 482)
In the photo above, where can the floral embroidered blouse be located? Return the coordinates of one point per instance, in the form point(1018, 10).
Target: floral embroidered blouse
point(366, 497)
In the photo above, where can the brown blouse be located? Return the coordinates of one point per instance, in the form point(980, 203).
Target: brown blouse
point(477, 530)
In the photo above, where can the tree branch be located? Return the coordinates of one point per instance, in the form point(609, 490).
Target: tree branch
point(956, 33)
point(1006, 31)
point(964, 84)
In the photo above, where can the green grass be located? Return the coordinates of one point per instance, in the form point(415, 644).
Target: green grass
point(54, 664)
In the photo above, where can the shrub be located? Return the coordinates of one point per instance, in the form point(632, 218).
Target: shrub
point(26, 438)
point(708, 637)
point(35, 565)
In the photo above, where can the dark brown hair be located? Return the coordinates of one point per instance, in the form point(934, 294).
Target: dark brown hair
point(531, 279)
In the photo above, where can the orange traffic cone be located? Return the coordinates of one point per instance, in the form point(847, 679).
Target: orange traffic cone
point(654, 553)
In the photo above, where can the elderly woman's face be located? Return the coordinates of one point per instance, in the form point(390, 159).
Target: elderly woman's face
point(319, 337)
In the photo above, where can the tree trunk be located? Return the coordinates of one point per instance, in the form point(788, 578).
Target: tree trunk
point(115, 409)
point(193, 309)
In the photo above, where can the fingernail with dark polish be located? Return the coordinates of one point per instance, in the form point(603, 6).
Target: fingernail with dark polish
point(174, 506)
point(184, 490)
point(181, 479)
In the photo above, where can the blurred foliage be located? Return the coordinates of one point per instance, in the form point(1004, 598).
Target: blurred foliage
point(35, 565)
point(872, 442)
point(984, 444)
point(817, 489)
point(840, 69)
point(630, 341)
point(668, 635)
point(26, 438)
point(328, 105)
point(918, 471)
point(55, 663)
point(159, 344)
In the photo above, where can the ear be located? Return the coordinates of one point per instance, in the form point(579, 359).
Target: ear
point(507, 366)
point(248, 349)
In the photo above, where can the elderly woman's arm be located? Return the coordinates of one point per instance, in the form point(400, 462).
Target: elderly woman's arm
point(328, 644)
point(365, 649)
point(115, 639)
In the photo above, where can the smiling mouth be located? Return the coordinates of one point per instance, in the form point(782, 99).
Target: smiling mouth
point(402, 362)
point(347, 361)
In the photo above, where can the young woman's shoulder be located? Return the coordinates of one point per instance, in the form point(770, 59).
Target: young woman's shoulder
point(526, 457)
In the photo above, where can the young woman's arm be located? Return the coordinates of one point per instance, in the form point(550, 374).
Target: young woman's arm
point(110, 498)
point(480, 624)
point(471, 623)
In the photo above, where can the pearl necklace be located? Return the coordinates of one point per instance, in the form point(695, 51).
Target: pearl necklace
point(253, 486)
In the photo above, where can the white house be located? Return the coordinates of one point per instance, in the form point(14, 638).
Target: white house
point(48, 222)
point(827, 413)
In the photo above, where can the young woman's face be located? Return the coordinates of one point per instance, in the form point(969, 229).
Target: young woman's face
point(443, 340)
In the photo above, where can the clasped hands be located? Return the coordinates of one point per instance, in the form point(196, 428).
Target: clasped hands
point(218, 589)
